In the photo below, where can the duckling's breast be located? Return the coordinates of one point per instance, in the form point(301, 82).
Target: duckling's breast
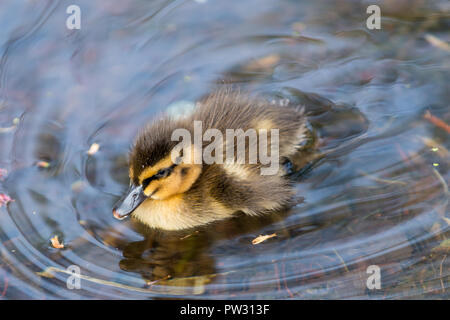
point(169, 214)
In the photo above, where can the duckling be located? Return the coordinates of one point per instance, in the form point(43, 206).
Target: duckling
point(172, 193)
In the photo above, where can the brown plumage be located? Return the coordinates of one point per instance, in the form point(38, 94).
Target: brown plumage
point(182, 195)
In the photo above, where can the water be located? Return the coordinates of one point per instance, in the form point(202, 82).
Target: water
point(377, 195)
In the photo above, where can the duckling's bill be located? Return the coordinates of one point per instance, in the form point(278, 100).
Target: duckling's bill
point(133, 198)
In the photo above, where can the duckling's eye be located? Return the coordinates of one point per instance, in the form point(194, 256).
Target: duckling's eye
point(160, 174)
point(163, 173)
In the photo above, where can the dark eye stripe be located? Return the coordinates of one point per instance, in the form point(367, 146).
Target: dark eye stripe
point(160, 174)
point(146, 182)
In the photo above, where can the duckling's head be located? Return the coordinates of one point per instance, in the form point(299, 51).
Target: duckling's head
point(155, 173)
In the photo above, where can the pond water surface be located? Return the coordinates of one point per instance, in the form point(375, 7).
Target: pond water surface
point(376, 195)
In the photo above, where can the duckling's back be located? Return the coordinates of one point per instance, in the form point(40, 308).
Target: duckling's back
point(226, 109)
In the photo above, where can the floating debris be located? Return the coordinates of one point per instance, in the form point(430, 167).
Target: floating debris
point(42, 164)
point(436, 42)
point(56, 244)
point(4, 199)
point(45, 274)
point(436, 121)
point(435, 164)
point(93, 149)
point(262, 238)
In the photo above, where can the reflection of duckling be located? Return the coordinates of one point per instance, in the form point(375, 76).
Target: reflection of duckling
point(181, 194)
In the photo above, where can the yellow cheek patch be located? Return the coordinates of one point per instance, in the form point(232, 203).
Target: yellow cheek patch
point(153, 186)
point(150, 171)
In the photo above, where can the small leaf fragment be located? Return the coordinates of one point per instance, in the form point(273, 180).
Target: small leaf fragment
point(43, 164)
point(56, 244)
point(263, 238)
point(45, 274)
point(438, 122)
point(93, 149)
point(438, 43)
